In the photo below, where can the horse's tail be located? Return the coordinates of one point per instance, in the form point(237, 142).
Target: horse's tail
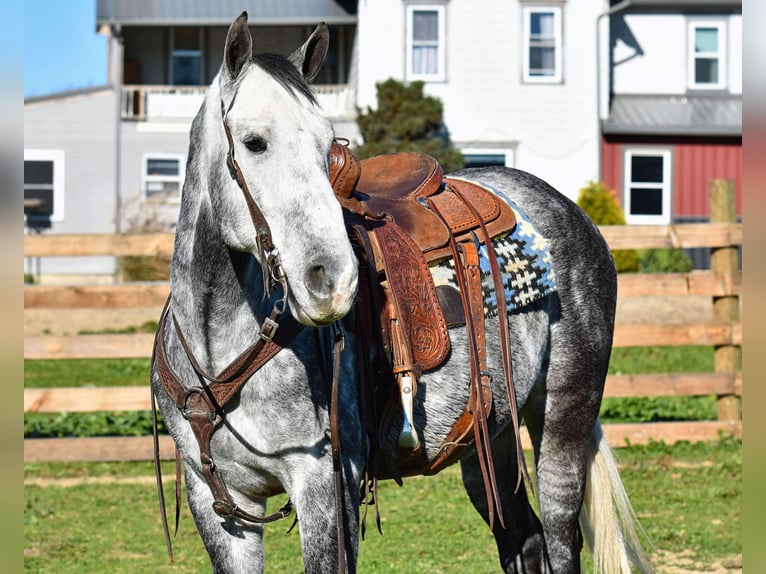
point(607, 519)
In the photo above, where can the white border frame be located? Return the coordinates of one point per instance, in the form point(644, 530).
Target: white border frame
point(441, 10)
point(722, 54)
point(57, 156)
point(146, 179)
point(558, 30)
point(667, 185)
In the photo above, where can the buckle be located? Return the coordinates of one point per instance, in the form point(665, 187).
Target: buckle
point(224, 509)
point(269, 329)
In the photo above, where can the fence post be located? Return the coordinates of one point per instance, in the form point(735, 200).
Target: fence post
point(725, 260)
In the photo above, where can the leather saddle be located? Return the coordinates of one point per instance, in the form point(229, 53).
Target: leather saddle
point(402, 215)
point(395, 184)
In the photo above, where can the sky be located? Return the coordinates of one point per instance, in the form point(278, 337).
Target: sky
point(61, 48)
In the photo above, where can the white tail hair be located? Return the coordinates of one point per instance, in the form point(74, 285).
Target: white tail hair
point(607, 518)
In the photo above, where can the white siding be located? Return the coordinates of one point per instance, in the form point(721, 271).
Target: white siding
point(650, 53)
point(83, 127)
point(735, 54)
point(553, 127)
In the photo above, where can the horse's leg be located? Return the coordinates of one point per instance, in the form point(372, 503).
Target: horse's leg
point(233, 546)
point(314, 497)
point(560, 415)
point(520, 544)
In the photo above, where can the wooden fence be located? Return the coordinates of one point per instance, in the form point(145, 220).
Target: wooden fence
point(722, 283)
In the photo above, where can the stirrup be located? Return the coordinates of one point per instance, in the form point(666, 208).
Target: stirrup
point(408, 437)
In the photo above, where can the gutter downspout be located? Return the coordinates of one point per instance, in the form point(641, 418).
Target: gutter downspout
point(613, 10)
point(116, 68)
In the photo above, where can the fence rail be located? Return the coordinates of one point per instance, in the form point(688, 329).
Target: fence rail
point(723, 284)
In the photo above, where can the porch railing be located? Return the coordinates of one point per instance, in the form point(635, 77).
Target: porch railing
point(152, 102)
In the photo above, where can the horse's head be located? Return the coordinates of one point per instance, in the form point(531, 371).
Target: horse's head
point(280, 141)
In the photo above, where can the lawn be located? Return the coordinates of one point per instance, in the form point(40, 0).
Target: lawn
point(687, 497)
point(104, 516)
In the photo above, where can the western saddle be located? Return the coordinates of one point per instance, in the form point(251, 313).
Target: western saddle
point(402, 214)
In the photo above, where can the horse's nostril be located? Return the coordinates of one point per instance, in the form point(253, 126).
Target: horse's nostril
point(316, 281)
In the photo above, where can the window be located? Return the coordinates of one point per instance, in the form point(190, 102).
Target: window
point(425, 42)
point(186, 58)
point(647, 186)
point(707, 56)
point(43, 187)
point(485, 157)
point(542, 44)
point(163, 177)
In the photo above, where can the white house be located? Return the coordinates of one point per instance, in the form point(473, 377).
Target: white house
point(517, 77)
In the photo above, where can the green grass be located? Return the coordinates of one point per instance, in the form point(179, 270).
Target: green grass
point(632, 360)
point(46, 373)
point(687, 496)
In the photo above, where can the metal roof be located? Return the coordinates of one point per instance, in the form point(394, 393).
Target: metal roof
point(223, 12)
point(675, 5)
point(675, 115)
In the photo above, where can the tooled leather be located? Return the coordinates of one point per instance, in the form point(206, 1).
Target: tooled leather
point(344, 170)
point(391, 184)
point(417, 303)
point(498, 220)
point(397, 176)
point(456, 214)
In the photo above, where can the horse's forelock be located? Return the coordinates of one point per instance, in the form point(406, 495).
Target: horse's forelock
point(284, 72)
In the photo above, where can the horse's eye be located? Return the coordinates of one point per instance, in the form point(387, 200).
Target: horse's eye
point(256, 144)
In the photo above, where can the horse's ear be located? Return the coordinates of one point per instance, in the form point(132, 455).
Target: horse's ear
point(239, 47)
point(310, 57)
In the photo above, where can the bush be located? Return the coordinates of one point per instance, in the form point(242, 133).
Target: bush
point(601, 205)
point(664, 261)
point(406, 120)
point(145, 267)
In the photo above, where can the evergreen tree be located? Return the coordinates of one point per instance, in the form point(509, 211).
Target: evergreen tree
point(406, 120)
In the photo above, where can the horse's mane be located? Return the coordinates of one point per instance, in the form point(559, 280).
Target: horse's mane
point(284, 72)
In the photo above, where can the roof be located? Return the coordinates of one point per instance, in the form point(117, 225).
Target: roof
point(675, 5)
point(223, 12)
point(68, 94)
point(693, 115)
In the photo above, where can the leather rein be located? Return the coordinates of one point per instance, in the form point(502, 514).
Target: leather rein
point(203, 406)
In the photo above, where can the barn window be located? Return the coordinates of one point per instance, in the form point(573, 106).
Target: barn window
point(426, 41)
point(162, 176)
point(647, 186)
point(542, 44)
point(707, 55)
point(43, 187)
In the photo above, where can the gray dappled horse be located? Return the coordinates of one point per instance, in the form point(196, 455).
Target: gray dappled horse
point(273, 437)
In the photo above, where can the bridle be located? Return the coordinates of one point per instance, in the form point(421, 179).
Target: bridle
point(273, 274)
point(203, 406)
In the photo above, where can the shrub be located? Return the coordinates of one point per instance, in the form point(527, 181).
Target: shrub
point(145, 267)
point(406, 120)
point(601, 205)
point(666, 260)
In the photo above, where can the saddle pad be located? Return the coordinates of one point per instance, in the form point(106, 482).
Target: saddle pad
point(524, 258)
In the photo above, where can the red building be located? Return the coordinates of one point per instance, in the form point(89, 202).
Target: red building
point(672, 119)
